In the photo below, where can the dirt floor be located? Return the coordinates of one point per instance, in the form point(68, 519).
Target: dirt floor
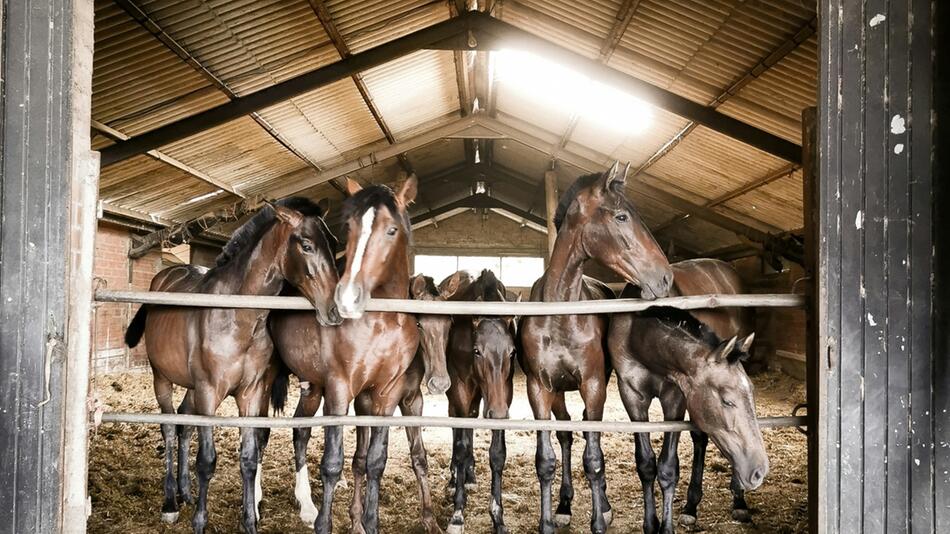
point(126, 469)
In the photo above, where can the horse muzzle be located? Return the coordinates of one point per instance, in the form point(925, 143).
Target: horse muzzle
point(330, 317)
point(350, 300)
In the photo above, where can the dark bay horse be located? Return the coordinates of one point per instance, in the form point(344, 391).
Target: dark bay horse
point(368, 355)
point(672, 355)
point(479, 359)
point(566, 352)
point(217, 352)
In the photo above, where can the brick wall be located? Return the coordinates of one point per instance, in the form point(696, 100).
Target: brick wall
point(117, 271)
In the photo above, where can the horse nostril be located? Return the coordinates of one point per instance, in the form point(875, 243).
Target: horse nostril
point(757, 477)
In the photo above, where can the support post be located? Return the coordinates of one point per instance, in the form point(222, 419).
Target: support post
point(813, 382)
point(550, 204)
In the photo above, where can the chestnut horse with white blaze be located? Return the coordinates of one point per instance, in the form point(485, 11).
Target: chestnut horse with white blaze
point(217, 352)
point(366, 357)
point(595, 220)
point(691, 361)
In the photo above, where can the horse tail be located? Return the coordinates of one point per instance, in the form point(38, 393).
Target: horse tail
point(278, 392)
point(133, 333)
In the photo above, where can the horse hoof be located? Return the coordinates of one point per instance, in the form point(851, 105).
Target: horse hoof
point(609, 516)
point(687, 520)
point(169, 517)
point(470, 486)
point(342, 484)
point(455, 529)
point(562, 520)
point(742, 515)
point(309, 516)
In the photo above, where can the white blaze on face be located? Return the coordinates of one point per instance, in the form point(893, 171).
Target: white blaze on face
point(348, 295)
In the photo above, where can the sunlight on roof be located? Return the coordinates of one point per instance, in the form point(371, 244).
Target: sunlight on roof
point(557, 86)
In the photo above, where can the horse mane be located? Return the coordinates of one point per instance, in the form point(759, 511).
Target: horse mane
point(687, 322)
point(251, 231)
point(489, 287)
point(374, 196)
point(582, 182)
point(431, 288)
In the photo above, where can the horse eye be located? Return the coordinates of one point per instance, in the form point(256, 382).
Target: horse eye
point(512, 355)
point(476, 352)
point(306, 247)
point(418, 325)
point(622, 217)
point(392, 231)
point(730, 404)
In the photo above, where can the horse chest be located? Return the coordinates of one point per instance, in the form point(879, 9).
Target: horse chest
point(564, 349)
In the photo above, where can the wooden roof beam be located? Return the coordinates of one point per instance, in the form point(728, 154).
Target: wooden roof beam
point(141, 17)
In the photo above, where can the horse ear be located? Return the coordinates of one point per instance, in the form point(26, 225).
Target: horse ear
point(613, 175)
point(720, 353)
point(407, 193)
point(352, 186)
point(324, 205)
point(287, 215)
point(451, 286)
point(418, 287)
point(746, 343)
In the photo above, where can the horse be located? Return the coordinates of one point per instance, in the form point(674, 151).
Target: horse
point(433, 338)
point(690, 361)
point(697, 277)
point(479, 361)
point(365, 358)
point(216, 352)
point(562, 353)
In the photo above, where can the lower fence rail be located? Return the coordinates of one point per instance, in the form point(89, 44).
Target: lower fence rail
point(426, 421)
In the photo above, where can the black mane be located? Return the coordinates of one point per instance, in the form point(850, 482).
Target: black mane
point(431, 288)
point(374, 196)
point(568, 197)
point(250, 232)
point(689, 323)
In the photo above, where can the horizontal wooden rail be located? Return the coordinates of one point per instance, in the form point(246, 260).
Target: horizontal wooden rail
point(420, 421)
point(459, 307)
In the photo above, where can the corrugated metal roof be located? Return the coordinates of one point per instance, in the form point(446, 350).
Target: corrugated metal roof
point(365, 24)
point(414, 90)
point(696, 49)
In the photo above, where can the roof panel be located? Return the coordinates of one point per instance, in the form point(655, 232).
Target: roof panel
point(368, 23)
point(414, 90)
point(778, 203)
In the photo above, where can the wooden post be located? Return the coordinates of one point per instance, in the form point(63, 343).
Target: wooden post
point(813, 370)
point(550, 203)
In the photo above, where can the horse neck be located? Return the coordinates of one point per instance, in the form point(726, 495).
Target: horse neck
point(679, 358)
point(254, 271)
point(564, 277)
point(396, 285)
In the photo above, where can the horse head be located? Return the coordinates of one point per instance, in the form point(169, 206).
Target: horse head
point(378, 234)
point(434, 330)
point(493, 348)
point(597, 216)
point(720, 401)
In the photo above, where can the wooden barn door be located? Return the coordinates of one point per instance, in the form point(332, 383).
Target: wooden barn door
point(45, 160)
point(883, 350)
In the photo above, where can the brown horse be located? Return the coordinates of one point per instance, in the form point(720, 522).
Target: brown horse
point(369, 354)
point(479, 358)
point(682, 360)
point(433, 338)
point(217, 352)
point(566, 352)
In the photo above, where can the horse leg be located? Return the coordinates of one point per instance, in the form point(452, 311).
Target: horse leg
point(562, 516)
point(674, 409)
point(594, 394)
point(207, 400)
point(412, 405)
point(251, 401)
point(497, 455)
point(740, 510)
point(163, 394)
point(470, 482)
point(337, 400)
point(187, 406)
point(306, 407)
point(461, 400)
point(544, 460)
point(695, 492)
point(638, 407)
point(363, 406)
point(376, 459)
